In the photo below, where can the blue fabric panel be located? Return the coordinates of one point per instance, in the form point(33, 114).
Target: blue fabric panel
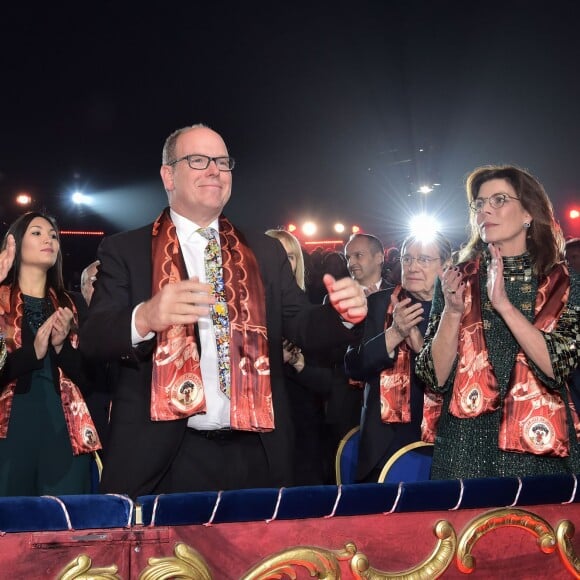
point(247, 505)
point(98, 511)
point(366, 498)
point(307, 502)
point(356, 499)
point(35, 514)
point(31, 514)
point(178, 509)
point(429, 496)
point(547, 489)
point(489, 493)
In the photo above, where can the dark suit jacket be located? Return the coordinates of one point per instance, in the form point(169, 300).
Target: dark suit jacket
point(364, 363)
point(139, 450)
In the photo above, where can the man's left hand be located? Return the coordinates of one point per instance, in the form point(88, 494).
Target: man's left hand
point(347, 298)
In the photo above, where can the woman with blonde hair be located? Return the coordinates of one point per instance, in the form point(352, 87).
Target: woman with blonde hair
point(294, 252)
point(308, 386)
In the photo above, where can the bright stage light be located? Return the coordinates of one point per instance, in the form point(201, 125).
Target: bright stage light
point(355, 229)
point(423, 227)
point(309, 228)
point(425, 189)
point(80, 198)
point(291, 228)
point(574, 214)
point(339, 228)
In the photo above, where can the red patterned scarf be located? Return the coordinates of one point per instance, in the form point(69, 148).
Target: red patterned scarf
point(395, 388)
point(534, 417)
point(177, 389)
point(81, 429)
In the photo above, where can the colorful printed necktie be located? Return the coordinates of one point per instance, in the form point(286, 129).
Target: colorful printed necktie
point(219, 311)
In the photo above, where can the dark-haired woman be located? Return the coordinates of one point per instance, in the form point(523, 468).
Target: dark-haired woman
point(46, 433)
point(502, 340)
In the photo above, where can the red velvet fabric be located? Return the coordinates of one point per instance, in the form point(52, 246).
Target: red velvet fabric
point(392, 543)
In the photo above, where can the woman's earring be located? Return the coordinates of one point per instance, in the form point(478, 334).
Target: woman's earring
point(526, 225)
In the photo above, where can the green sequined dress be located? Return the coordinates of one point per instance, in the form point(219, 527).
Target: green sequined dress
point(468, 448)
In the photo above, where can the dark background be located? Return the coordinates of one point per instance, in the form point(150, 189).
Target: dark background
point(333, 110)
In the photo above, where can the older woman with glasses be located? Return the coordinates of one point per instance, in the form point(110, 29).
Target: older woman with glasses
point(394, 398)
point(502, 340)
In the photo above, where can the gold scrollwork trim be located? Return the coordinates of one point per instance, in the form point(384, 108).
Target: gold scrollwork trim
point(502, 517)
point(81, 569)
point(324, 564)
point(318, 561)
point(432, 567)
point(564, 532)
point(187, 563)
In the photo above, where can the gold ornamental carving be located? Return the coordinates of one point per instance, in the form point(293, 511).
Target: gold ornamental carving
point(187, 563)
point(81, 569)
point(319, 562)
point(432, 567)
point(324, 564)
point(503, 517)
point(564, 532)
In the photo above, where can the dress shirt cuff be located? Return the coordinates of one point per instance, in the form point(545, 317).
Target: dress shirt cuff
point(136, 338)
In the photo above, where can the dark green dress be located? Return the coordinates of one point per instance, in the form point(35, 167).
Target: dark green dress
point(36, 457)
point(468, 448)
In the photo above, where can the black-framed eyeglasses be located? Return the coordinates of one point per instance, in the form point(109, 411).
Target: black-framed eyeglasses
point(496, 201)
point(202, 162)
point(423, 261)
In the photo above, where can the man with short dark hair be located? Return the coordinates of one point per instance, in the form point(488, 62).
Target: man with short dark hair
point(365, 256)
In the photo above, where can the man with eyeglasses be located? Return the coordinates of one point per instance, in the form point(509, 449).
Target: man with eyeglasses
point(196, 310)
point(365, 256)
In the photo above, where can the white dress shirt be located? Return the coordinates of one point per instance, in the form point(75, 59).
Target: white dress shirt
point(218, 405)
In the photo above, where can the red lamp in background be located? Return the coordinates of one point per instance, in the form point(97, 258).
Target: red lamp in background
point(292, 228)
point(571, 224)
point(23, 199)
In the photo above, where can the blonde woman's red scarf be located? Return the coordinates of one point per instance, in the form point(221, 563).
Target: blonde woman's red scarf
point(533, 416)
point(81, 429)
point(395, 388)
point(177, 389)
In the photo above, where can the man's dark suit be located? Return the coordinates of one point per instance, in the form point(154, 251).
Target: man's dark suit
point(140, 450)
point(364, 363)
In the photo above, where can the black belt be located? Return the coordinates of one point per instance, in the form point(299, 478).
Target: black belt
point(220, 434)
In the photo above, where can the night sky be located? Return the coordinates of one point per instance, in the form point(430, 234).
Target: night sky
point(333, 110)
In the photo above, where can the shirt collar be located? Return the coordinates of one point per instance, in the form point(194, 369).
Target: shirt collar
point(185, 228)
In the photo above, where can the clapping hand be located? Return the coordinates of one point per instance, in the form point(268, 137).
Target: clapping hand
point(453, 288)
point(406, 317)
point(61, 324)
point(182, 302)
point(7, 257)
point(495, 282)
